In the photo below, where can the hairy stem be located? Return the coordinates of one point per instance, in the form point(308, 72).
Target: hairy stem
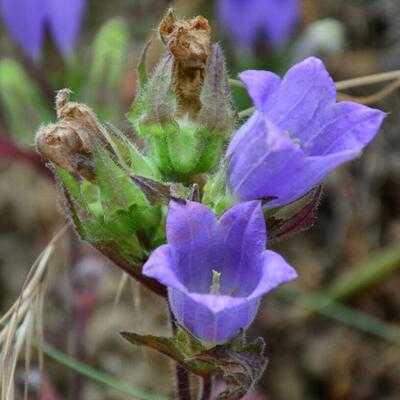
point(11, 150)
point(181, 374)
point(206, 389)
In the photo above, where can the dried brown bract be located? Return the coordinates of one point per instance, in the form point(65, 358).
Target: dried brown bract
point(189, 41)
point(68, 142)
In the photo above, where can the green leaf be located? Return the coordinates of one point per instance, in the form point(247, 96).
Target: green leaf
point(24, 108)
point(185, 147)
point(240, 363)
point(216, 112)
point(213, 146)
point(156, 102)
point(182, 348)
point(141, 164)
point(159, 151)
point(155, 192)
point(138, 108)
point(216, 195)
point(116, 188)
point(70, 183)
point(142, 71)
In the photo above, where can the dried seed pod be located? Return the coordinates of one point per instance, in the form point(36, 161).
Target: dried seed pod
point(68, 142)
point(189, 41)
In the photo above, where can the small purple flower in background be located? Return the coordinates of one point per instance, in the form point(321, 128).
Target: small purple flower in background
point(297, 135)
point(216, 271)
point(248, 20)
point(27, 21)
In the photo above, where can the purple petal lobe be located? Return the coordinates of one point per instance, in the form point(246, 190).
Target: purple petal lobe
point(260, 86)
point(251, 20)
point(281, 17)
point(27, 21)
point(65, 18)
point(24, 20)
point(276, 271)
point(191, 227)
point(214, 320)
point(344, 126)
point(305, 91)
point(241, 134)
point(161, 265)
point(260, 169)
point(243, 239)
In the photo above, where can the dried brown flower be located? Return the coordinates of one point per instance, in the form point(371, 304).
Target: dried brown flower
point(189, 41)
point(68, 142)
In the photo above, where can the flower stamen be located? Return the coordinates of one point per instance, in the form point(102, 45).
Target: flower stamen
point(215, 287)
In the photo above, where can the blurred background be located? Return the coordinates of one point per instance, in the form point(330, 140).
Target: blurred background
point(334, 334)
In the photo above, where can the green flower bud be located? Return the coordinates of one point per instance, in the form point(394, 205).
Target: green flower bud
point(96, 166)
point(184, 109)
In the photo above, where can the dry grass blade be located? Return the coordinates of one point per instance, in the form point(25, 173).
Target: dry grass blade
point(23, 320)
point(121, 285)
point(373, 98)
point(368, 80)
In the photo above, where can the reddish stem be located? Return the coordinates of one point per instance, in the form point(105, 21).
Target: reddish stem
point(149, 283)
point(12, 151)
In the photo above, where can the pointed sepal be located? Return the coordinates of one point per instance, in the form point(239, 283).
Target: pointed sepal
point(239, 363)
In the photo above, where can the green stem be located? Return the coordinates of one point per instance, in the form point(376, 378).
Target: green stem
point(246, 113)
point(236, 83)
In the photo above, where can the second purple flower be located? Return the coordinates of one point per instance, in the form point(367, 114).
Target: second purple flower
point(297, 135)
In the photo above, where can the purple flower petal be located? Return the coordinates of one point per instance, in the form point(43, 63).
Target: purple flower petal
point(260, 85)
point(276, 271)
point(297, 136)
point(214, 319)
point(305, 92)
point(249, 20)
point(243, 238)
point(201, 249)
point(281, 16)
point(191, 227)
point(24, 20)
point(162, 266)
point(241, 135)
point(344, 126)
point(27, 21)
point(262, 164)
point(65, 18)
point(231, 14)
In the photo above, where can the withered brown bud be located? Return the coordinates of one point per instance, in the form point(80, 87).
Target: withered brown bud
point(189, 41)
point(68, 142)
